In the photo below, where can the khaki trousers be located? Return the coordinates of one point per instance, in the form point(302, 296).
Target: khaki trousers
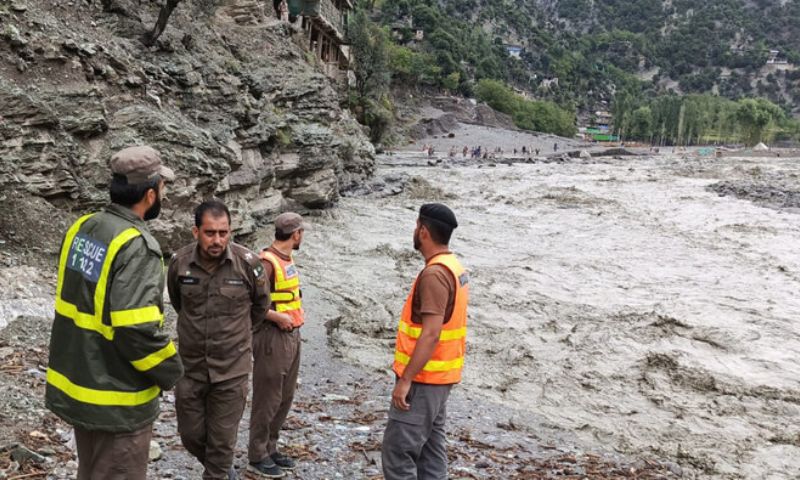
point(208, 421)
point(276, 363)
point(113, 456)
point(414, 443)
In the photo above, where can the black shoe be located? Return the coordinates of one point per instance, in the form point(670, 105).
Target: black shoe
point(283, 461)
point(266, 468)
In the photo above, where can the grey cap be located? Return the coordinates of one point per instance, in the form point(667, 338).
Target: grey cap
point(289, 222)
point(140, 164)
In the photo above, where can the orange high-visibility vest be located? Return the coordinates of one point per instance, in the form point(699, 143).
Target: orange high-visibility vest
point(285, 294)
point(444, 366)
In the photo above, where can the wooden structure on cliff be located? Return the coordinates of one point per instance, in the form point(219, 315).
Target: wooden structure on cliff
point(326, 33)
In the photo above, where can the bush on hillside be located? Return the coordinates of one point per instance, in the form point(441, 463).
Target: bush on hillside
point(527, 114)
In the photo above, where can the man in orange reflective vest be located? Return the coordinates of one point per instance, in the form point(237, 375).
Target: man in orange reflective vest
point(276, 350)
point(429, 354)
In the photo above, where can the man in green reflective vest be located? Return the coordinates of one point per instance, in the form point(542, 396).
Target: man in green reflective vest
point(109, 355)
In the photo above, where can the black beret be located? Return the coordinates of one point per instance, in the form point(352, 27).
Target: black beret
point(439, 213)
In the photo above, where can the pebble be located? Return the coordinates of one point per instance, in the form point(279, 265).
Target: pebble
point(155, 451)
point(332, 397)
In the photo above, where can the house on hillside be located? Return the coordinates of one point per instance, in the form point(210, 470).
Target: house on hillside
point(774, 58)
point(404, 33)
point(514, 51)
point(603, 121)
point(326, 31)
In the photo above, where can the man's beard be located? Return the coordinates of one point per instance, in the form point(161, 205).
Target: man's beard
point(416, 241)
point(153, 212)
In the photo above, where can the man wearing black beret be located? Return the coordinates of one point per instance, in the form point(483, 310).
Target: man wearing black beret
point(429, 354)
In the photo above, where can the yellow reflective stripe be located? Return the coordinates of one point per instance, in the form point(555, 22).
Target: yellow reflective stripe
point(433, 365)
point(285, 307)
point(136, 316)
point(444, 336)
point(456, 334)
point(281, 297)
point(91, 396)
point(413, 332)
point(154, 359)
point(82, 320)
point(100, 290)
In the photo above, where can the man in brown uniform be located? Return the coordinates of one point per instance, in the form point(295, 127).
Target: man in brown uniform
point(276, 350)
point(219, 290)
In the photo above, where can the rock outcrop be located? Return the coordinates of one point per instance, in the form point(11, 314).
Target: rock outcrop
point(236, 107)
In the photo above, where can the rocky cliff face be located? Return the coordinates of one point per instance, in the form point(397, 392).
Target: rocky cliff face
point(229, 96)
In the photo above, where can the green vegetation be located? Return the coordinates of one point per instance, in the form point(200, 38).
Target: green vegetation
point(370, 49)
point(597, 47)
point(454, 56)
point(702, 119)
point(645, 60)
point(451, 53)
point(527, 114)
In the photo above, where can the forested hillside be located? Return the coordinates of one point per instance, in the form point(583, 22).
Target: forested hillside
point(584, 54)
point(700, 44)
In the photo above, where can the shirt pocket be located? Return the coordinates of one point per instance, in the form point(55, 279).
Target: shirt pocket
point(193, 299)
point(235, 299)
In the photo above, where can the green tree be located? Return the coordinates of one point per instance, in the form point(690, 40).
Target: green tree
point(529, 115)
point(641, 124)
point(754, 116)
point(451, 81)
point(370, 52)
point(371, 62)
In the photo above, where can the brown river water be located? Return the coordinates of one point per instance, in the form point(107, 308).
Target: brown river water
point(618, 300)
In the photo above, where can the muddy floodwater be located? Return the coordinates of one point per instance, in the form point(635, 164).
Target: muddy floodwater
point(619, 300)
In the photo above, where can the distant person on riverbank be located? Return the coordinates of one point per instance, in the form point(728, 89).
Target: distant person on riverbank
point(465, 151)
point(555, 147)
point(276, 350)
point(283, 11)
point(110, 357)
point(429, 354)
point(219, 290)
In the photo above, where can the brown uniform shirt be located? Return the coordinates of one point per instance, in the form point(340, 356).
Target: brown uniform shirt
point(435, 293)
point(217, 311)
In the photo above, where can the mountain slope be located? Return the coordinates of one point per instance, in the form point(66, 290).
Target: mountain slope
point(596, 47)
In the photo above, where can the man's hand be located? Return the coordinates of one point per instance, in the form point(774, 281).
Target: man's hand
point(400, 393)
point(283, 320)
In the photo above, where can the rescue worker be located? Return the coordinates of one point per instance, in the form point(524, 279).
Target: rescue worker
point(109, 354)
point(276, 350)
point(429, 355)
point(219, 290)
